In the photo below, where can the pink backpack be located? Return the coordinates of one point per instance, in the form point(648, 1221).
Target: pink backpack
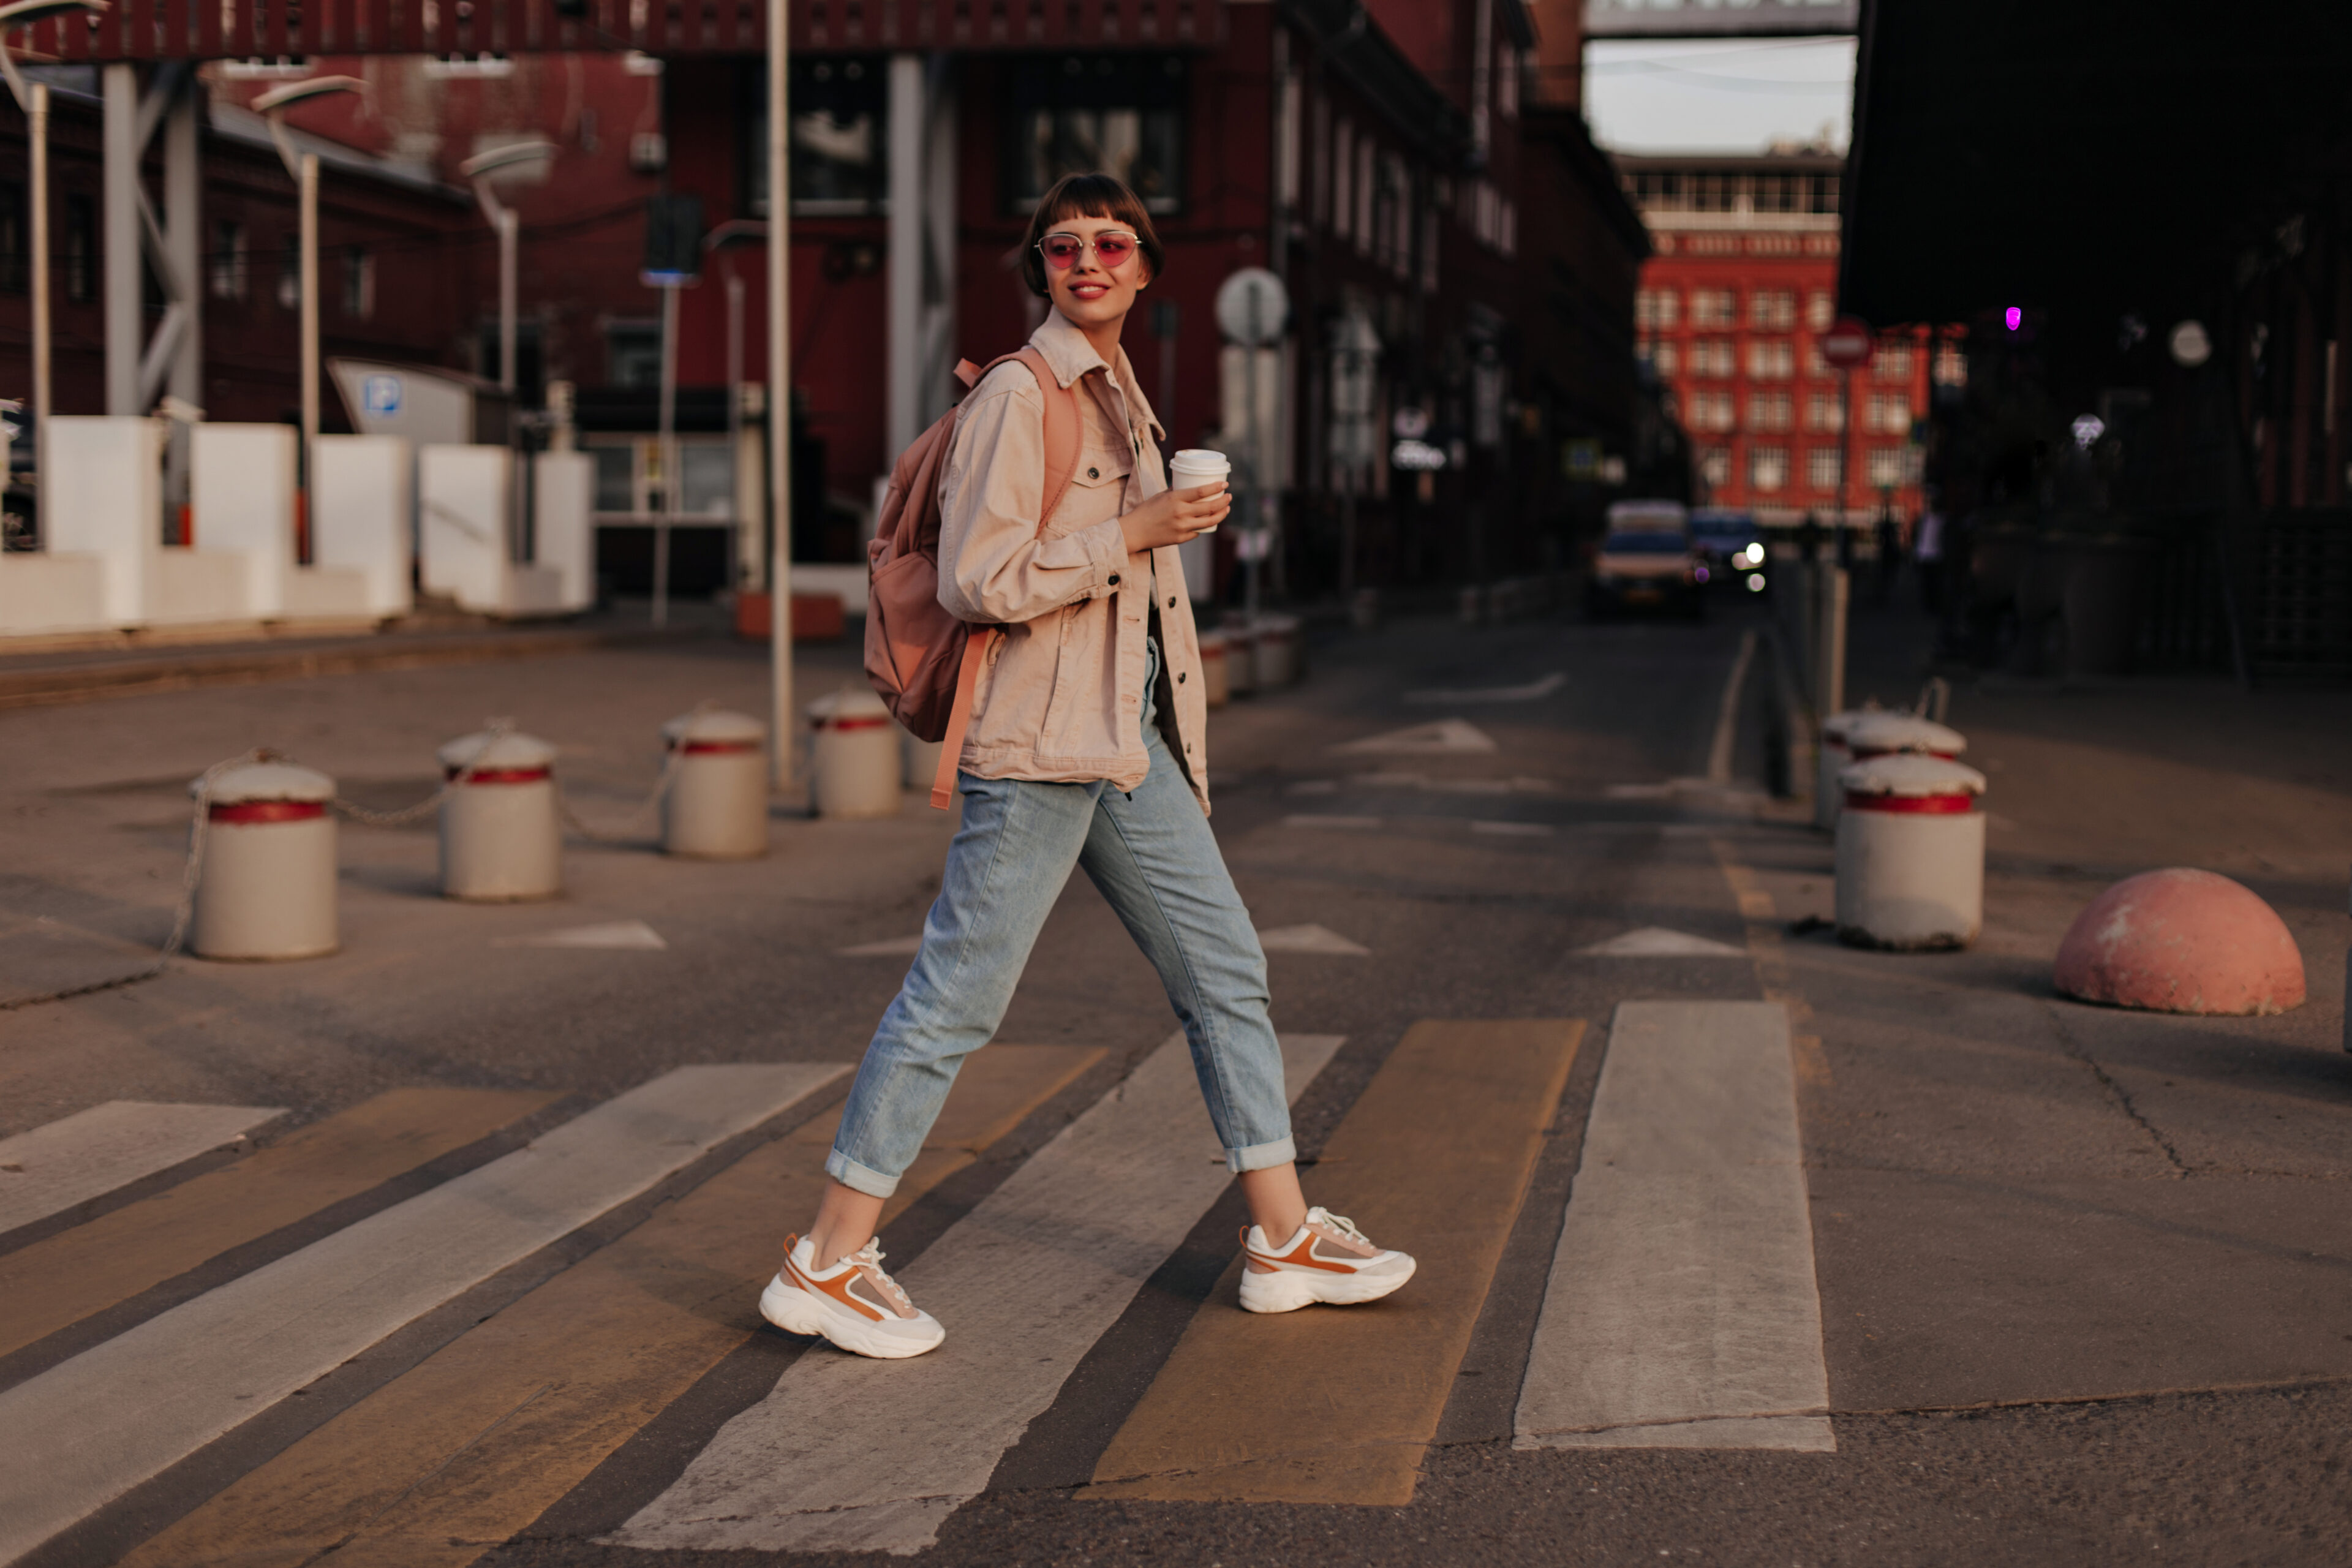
point(924, 662)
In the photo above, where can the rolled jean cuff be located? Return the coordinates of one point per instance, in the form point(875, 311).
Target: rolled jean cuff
point(858, 1178)
point(1256, 1157)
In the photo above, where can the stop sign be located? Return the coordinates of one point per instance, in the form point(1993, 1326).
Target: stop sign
point(1847, 343)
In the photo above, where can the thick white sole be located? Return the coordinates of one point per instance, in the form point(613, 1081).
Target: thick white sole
point(1287, 1290)
point(793, 1310)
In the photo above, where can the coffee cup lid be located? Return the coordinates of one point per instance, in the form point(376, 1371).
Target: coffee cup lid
point(1201, 458)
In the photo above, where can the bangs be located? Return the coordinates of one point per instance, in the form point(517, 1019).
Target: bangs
point(1095, 195)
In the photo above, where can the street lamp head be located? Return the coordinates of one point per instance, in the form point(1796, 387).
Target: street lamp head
point(509, 157)
point(279, 98)
point(26, 12)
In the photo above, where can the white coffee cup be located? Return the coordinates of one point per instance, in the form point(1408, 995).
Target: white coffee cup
point(1197, 466)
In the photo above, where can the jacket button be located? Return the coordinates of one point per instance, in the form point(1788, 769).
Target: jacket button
point(1179, 678)
point(1113, 579)
point(1094, 473)
point(1171, 602)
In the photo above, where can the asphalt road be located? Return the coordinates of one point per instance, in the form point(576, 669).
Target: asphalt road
point(2081, 1275)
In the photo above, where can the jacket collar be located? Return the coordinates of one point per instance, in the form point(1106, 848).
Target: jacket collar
point(1069, 354)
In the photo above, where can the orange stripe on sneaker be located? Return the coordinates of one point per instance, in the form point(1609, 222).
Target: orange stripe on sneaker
point(1434, 1158)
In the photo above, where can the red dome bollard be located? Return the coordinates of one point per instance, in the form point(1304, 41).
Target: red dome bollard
point(2181, 941)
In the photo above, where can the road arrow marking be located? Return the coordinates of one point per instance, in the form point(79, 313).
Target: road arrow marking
point(1311, 939)
point(1533, 691)
point(612, 936)
point(1656, 941)
point(1446, 735)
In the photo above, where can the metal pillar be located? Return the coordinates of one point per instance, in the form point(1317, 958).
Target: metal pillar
point(184, 248)
point(37, 126)
point(671, 478)
point(121, 228)
point(509, 229)
point(783, 728)
point(922, 231)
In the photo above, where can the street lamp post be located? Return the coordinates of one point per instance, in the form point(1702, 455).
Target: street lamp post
point(33, 99)
point(502, 220)
point(304, 166)
point(783, 728)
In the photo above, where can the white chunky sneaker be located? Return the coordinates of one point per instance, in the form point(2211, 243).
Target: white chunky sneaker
point(1328, 1260)
point(853, 1303)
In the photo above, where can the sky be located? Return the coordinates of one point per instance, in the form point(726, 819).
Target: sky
point(1716, 95)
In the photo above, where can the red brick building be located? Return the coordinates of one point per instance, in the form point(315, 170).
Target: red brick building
point(1741, 284)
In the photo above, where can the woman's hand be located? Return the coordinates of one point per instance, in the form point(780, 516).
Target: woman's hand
point(1171, 516)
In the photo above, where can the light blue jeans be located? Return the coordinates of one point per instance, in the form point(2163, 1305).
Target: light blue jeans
point(1154, 858)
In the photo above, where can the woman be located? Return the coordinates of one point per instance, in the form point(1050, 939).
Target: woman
point(1086, 748)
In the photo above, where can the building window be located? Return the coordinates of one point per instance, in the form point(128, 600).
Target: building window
point(1714, 410)
point(224, 269)
point(15, 251)
point(1658, 307)
point(1822, 193)
point(1714, 308)
point(1770, 411)
point(81, 249)
point(1884, 468)
point(359, 282)
point(1768, 469)
point(1771, 359)
point(1820, 311)
point(1713, 356)
point(1890, 412)
point(1715, 465)
point(1892, 361)
point(1822, 469)
point(1711, 192)
point(633, 353)
point(1772, 310)
point(841, 144)
point(1822, 412)
point(1121, 114)
point(1343, 169)
point(1815, 365)
point(1664, 356)
point(289, 273)
point(1951, 365)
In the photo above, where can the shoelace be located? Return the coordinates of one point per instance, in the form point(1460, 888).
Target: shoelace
point(868, 1259)
point(1339, 1223)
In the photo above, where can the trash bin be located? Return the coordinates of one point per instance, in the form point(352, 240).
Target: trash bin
point(1216, 684)
point(501, 841)
point(716, 807)
point(1277, 650)
point(266, 887)
point(1241, 659)
point(857, 764)
point(1910, 854)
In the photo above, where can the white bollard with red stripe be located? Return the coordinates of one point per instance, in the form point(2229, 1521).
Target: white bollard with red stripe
point(1869, 735)
point(267, 886)
point(1910, 853)
point(500, 840)
point(920, 759)
point(858, 761)
point(1830, 761)
point(716, 805)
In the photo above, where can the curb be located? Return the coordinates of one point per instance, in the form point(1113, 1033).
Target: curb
point(187, 671)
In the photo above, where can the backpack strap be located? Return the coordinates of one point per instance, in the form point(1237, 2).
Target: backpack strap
point(1061, 466)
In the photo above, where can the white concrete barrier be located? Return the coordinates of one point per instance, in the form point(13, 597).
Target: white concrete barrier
point(462, 497)
point(104, 476)
point(564, 524)
point(362, 505)
point(241, 492)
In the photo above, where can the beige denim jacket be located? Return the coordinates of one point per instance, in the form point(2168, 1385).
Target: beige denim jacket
point(1061, 697)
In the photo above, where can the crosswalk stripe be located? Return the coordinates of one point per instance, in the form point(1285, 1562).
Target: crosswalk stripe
point(481, 1438)
point(1338, 1405)
point(1682, 1309)
point(64, 1278)
point(125, 1410)
point(856, 1455)
point(102, 1149)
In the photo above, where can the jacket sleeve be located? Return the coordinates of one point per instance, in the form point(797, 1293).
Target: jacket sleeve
point(992, 566)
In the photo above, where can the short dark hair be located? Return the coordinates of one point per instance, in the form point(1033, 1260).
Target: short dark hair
point(1087, 195)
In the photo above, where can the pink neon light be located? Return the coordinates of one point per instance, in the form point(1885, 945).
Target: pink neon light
point(2015, 317)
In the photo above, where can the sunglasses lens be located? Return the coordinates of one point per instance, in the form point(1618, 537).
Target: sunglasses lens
point(1062, 251)
point(1110, 250)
